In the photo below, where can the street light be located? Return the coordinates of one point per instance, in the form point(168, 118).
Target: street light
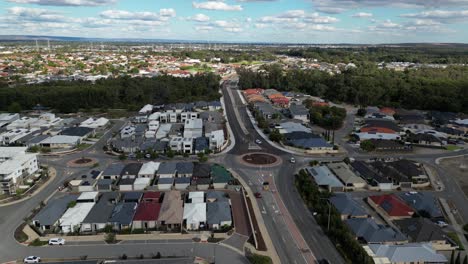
point(329, 212)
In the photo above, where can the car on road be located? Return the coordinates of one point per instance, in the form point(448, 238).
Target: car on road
point(258, 195)
point(292, 160)
point(323, 261)
point(32, 259)
point(442, 223)
point(258, 141)
point(56, 241)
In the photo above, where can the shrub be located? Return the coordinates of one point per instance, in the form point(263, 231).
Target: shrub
point(110, 238)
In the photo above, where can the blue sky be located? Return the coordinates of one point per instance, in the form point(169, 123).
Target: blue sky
point(292, 21)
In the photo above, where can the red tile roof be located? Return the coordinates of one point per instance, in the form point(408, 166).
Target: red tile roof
point(152, 195)
point(376, 129)
point(387, 110)
point(392, 205)
point(147, 212)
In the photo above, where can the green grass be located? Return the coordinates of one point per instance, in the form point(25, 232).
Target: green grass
point(456, 239)
point(258, 259)
point(38, 243)
point(452, 147)
point(83, 146)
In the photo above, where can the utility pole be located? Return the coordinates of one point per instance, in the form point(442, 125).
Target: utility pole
point(37, 46)
point(329, 212)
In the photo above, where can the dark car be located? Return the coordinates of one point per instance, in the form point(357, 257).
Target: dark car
point(258, 195)
point(323, 261)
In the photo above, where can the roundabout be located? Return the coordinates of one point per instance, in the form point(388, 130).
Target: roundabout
point(258, 159)
point(82, 162)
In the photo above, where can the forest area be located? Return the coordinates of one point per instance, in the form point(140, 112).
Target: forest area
point(366, 85)
point(123, 92)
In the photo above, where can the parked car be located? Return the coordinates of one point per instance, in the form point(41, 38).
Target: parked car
point(323, 261)
point(56, 241)
point(258, 141)
point(292, 160)
point(32, 259)
point(258, 195)
point(442, 223)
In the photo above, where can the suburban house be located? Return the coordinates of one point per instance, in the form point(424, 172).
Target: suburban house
point(216, 140)
point(390, 206)
point(193, 128)
point(82, 132)
point(15, 166)
point(165, 184)
point(347, 207)
point(368, 231)
point(49, 216)
point(218, 215)
point(424, 203)
point(148, 169)
point(325, 179)
point(374, 180)
point(171, 213)
point(61, 142)
point(194, 215)
point(167, 170)
point(99, 216)
point(184, 169)
point(71, 220)
point(405, 254)
point(299, 112)
point(350, 180)
point(423, 230)
point(221, 176)
point(113, 171)
point(311, 143)
point(146, 216)
point(122, 215)
point(132, 197)
point(131, 170)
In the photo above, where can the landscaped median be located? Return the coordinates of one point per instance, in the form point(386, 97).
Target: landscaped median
point(338, 233)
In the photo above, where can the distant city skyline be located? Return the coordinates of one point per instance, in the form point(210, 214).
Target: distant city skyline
point(284, 21)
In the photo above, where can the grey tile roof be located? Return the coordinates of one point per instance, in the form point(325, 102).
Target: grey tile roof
point(345, 204)
point(123, 213)
point(324, 177)
point(166, 181)
point(114, 169)
point(54, 210)
point(132, 196)
point(420, 229)
point(181, 180)
point(167, 168)
point(101, 212)
point(423, 202)
point(371, 232)
point(132, 169)
point(218, 212)
point(202, 170)
point(298, 110)
point(408, 253)
point(76, 131)
point(184, 167)
point(216, 195)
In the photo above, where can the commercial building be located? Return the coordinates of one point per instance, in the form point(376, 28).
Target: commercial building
point(15, 165)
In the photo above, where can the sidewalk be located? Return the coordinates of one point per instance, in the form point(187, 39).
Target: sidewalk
point(458, 229)
point(130, 237)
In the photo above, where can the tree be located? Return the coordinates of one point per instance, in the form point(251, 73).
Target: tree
point(276, 136)
point(367, 145)
point(122, 156)
point(361, 112)
point(14, 107)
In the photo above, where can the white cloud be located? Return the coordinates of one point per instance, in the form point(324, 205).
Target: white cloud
point(204, 28)
point(227, 26)
point(440, 15)
point(294, 17)
point(200, 18)
point(318, 19)
point(216, 5)
point(339, 6)
point(35, 14)
point(163, 15)
point(65, 2)
point(363, 15)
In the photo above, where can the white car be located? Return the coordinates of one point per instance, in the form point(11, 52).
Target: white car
point(292, 160)
point(32, 259)
point(56, 241)
point(258, 141)
point(442, 224)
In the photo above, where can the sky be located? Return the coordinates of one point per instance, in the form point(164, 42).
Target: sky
point(279, 21)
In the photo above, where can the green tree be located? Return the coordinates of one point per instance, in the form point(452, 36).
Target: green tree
point(14, 107)
point(276, 136)
point(367, 145)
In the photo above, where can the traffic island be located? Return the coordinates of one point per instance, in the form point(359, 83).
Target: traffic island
point(82, 162)
point(258, 159)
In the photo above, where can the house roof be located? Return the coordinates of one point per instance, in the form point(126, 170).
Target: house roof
point(345, 204)
point(421, 229)
point(297, 110)
point(54, 210)
point(392, 205)
point(132, 196)
point(382, 123)
point(166, 181)
point(203, 181)
point(423, 202)
point(147, 212)
point(216, 196)
point(114, 169)
point(123, 213)
point(324, 177)
point(184, 167)
point(149, 168)
point(167, 168)
point(182, 180)
point(127, 181)
point(218, 212)
point(196, 197)
point(371, 232)
point(152, 195)
point(220, 174)
point(343, 172)
point(201, 170)
point(406, 253)
point(171, 208)
point(88, 196)
point(195, 212)
point(132, 169)
point(367, 173)
point(102, 211)
point(60, 139)
point(75, 215)
point(77, 131)
point(291, 127)
point(201, 143)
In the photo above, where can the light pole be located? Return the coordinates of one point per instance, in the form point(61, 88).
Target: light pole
point(329, 212)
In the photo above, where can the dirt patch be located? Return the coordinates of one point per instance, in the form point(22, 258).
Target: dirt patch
point(82, 162)
point(458, 168)
point(260, 159)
